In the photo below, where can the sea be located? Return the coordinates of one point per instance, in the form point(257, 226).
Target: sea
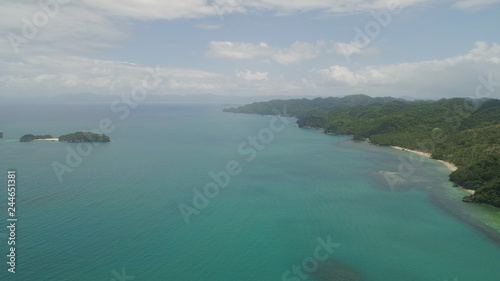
point(187, 192)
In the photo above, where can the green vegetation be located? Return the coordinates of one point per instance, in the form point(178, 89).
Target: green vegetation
point(75, 137)
point(27, 138)
point(84, 137)
point(484, 177)
point(30, 137)
point(300, 107)
point(462, 131)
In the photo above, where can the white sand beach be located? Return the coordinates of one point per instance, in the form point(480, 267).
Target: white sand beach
point(448, 165)
point(52, 139)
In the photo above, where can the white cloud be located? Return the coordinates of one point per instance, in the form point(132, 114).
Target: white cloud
point(284, 6)
point(54, 59)
point(32, 28)
point(248, 75)
point(474, 4)
point(452, 76)
point(42, 77)
point(170, 10)
point(209, 26)
point(89, 26)
point(158, 9)
point(77, 74)
point(342, 74)
point(13, 11)
point(153, 9)
point(353, 48)
point(70, 74)
point(297, 52)
point(238, 50)
point(189, 9)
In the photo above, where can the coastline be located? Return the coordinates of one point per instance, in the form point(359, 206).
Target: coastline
point(52, 139)
point(448, 165)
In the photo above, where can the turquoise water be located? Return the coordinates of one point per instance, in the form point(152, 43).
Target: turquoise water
point(118, 210)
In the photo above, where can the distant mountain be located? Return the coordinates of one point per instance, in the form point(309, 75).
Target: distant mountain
point(151, 98)
point(300, 107)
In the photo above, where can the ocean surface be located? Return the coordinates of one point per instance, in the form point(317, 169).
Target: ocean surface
point(290, 203)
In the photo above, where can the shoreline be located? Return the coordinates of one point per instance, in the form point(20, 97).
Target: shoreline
point(52, 139)
point(448, 165)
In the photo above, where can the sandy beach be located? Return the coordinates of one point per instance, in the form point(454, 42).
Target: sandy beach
point(53, 139)
point(448, 165)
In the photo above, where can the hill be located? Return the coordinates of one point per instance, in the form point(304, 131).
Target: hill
point(300, 107)
point(84, 137)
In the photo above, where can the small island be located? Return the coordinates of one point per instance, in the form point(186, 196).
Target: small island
point(74, 137)
point(30, 137)
point(84, 137)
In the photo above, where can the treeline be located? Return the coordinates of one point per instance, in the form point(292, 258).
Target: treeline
point(462, 131)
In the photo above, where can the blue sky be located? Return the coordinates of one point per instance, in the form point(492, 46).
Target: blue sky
point(418, 48)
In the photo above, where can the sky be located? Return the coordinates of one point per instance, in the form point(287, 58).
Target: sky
point(407, 48)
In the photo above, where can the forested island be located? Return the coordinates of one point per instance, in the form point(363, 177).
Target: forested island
point(84, 137)
point(462, 131)
point(74, 137)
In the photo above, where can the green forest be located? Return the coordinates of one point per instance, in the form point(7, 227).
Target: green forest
point(84, 137)
point(30, 137)
point(462, 131)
